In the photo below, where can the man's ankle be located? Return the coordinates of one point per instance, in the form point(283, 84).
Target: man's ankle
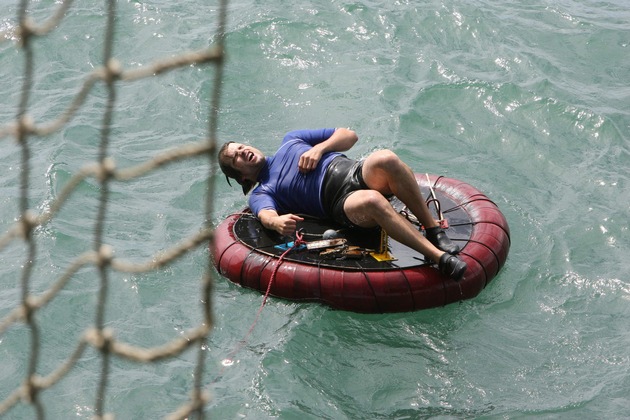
point(440, 240)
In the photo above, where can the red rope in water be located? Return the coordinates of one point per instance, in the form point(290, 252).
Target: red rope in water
point(298, 241)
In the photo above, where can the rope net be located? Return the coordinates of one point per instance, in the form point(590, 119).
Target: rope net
point(102, 257)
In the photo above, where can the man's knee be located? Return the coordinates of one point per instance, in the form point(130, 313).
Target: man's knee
point(385, 155)
point(387, 160)
point(374, 202)
point(365, 207)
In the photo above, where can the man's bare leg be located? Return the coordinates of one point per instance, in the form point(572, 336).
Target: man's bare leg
point(369, 208)
point(383, 171)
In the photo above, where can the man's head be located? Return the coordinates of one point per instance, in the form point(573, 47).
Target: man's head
point(242, 163)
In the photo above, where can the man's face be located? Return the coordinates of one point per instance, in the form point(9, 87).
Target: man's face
point(246, 159)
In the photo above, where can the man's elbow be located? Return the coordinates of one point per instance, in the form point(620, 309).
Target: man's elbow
point(354, 136)
point(350, 135)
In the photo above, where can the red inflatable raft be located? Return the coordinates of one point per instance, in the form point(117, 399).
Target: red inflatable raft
point(250, 255)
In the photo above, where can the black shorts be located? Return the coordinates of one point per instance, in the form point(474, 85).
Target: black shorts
point(343, 177)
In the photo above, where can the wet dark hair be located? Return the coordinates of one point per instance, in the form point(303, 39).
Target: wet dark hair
point(230, 172)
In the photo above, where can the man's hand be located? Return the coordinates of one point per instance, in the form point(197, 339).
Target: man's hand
point(340, 141)
point(309, 160)
point(285, 225)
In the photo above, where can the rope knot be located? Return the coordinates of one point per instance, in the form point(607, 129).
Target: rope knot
point(299, 239)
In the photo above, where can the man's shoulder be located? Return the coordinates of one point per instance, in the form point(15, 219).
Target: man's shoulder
point(296, 134)
point(309, 135)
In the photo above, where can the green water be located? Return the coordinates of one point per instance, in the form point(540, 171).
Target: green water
point(527, 102)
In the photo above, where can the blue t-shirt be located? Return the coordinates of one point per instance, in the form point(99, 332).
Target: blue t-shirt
point(282, 187)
